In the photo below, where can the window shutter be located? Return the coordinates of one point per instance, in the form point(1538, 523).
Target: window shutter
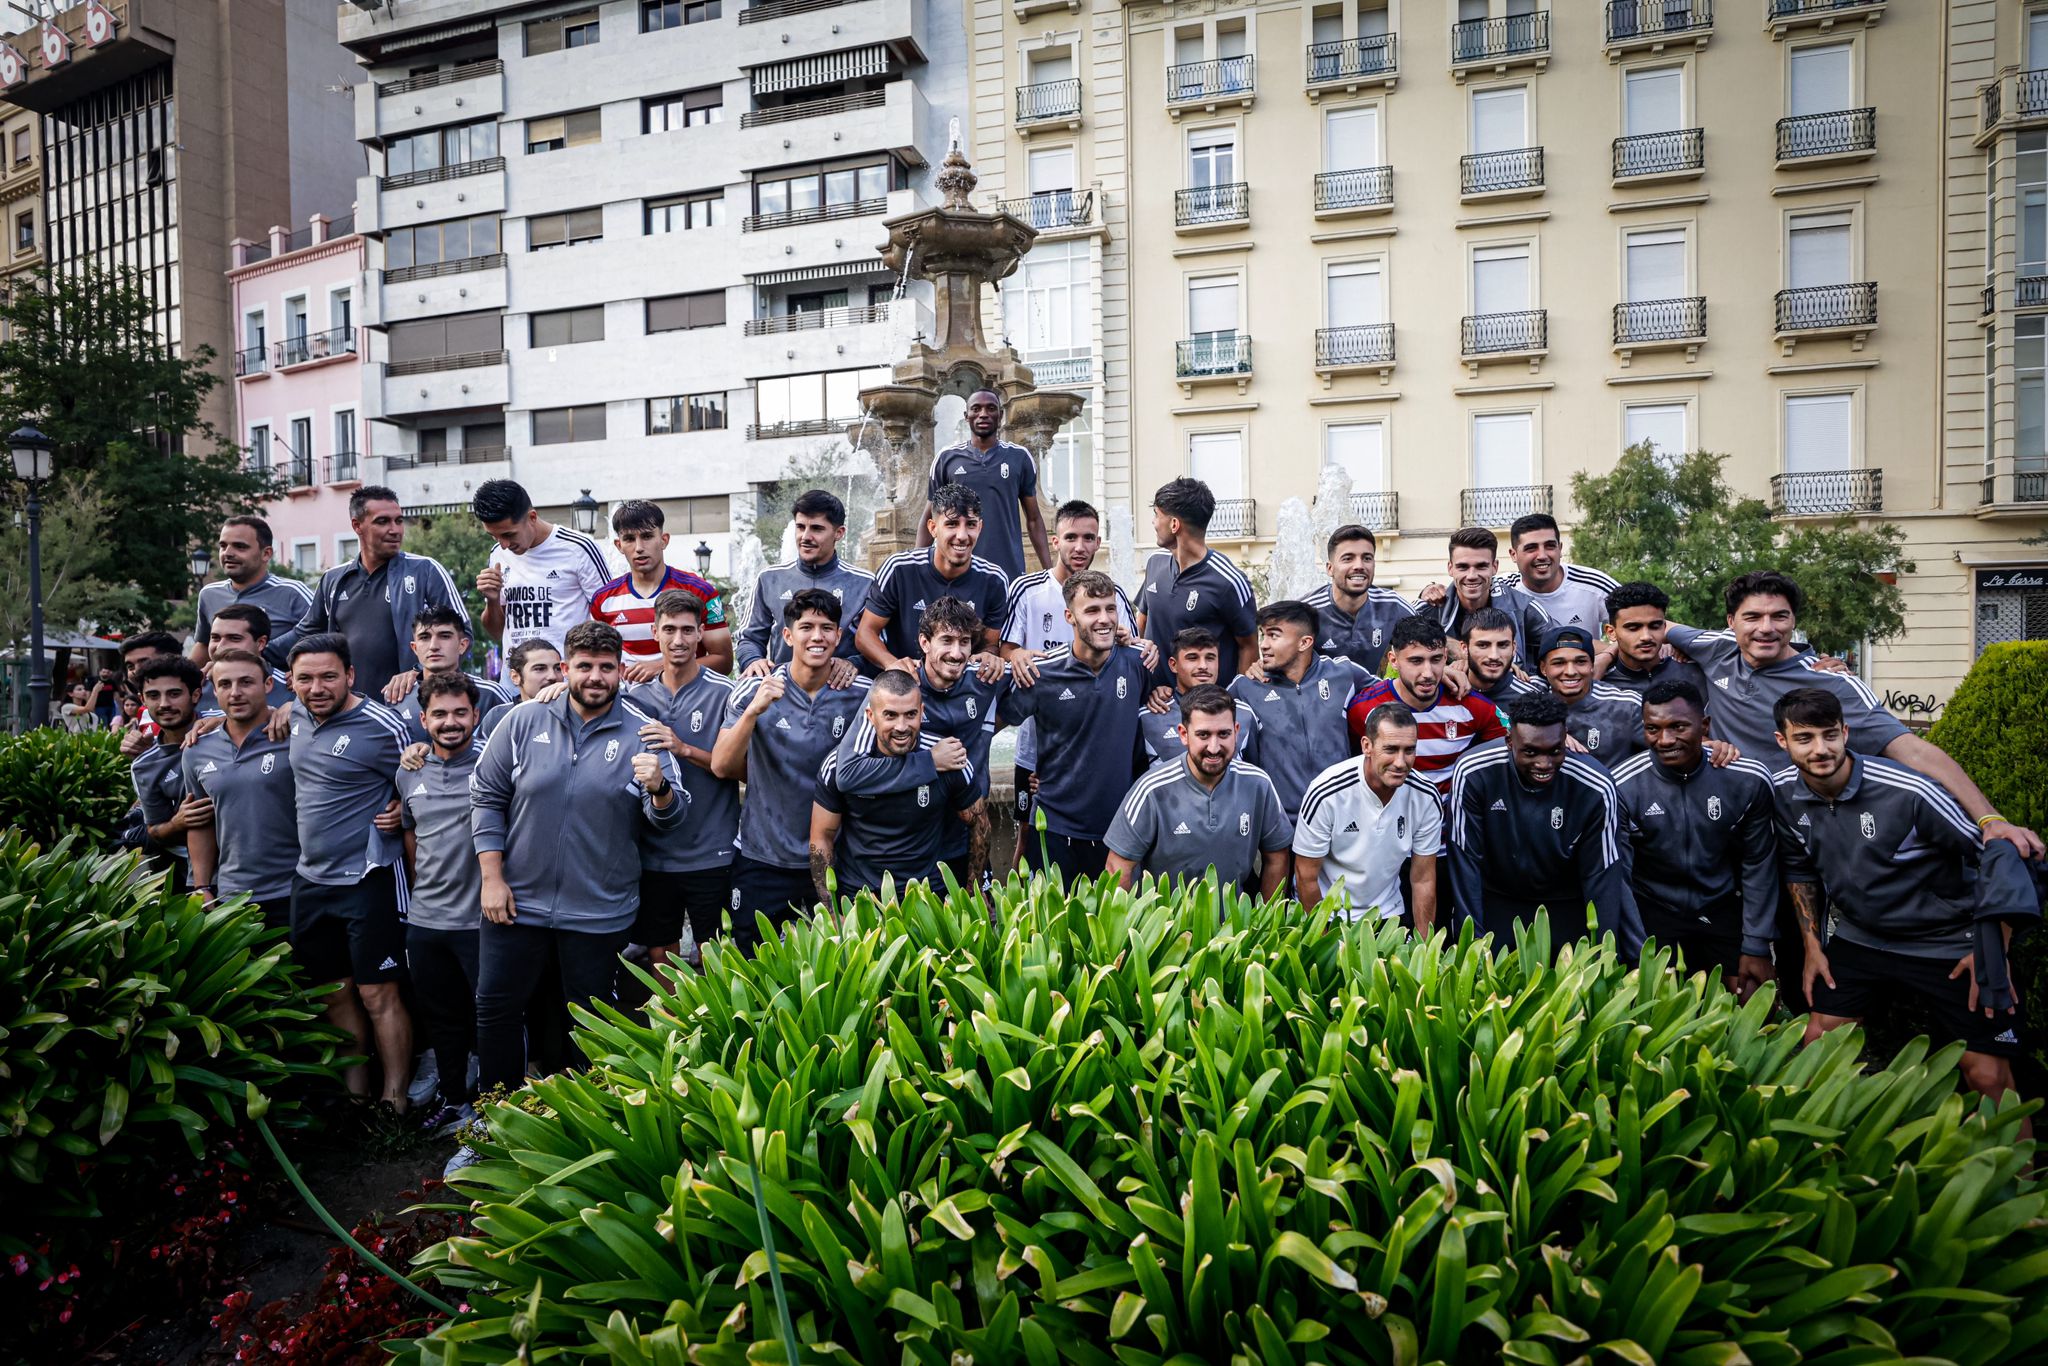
point(1654, 101)
point(1212, 306)
point(1503, 454)
point(1819, 251)
point(1353, 293)
point(1499, 120)
point(1052, 170)
point(1656, 266)
point(706, 310)
point(1820, 79)
point(586, 225)
point(548, 230)
point(549, 129)
point(1360, 449)
point(1660, 424)
point(1816, 433)
point(1500, 280)
point(1217, 459)
point(1351, 139)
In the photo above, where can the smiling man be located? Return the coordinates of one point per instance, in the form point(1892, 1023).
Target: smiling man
point(626, 603)
point(245, 549)
point(1299, 699)
point(249, 840)
point(947, 566)
point(1354, 619)
point(1569, 594)
point(1364, 818)
point(373, 599)
point(1003, 475)
point(818, 525)
point(540, 577)
point(1604, 722)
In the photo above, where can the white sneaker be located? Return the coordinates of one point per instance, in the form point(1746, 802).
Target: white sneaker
point(465, 1156)
point(425, 1082)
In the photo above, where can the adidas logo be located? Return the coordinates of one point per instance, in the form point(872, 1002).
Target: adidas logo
point(787, 593)
point(1329, 645)
point(554, 573)
point(1181, 829)
point(211, 767)
point(1805, 820)
point(420, 790)
point(1498, 805)
point(2007, 1037)
point(344, 596)
point(1655, 810)
point(1722, 684)
point(1352, 828)
point(917, 606)
point(1271, 696)
point(388, 964)
point(1066, 695)
point(782, 723)
point(543, 739)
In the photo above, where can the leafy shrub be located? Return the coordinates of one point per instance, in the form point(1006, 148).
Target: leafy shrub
point(1151, 1128)
point(54, 783)
point(131, 1018)
point(1996, 729)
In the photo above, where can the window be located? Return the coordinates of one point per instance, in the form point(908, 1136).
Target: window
point(691, 108)
point(1048, 302)
point(1500, 279)
point(1212, 307)
point(1817, 436)
point(302, 444)
point(705, 516)
point(1500, 119)
point(563, 31)
point(566, 326)
point(21, 147)
point(686, 413)
point(686, 212)
point(1360, 449)
point(1051, 170)
point(346, 548)
point(1503, 450)
point(1817, 250)
point(2037, 39)
point(439, 147)
point(306, 556)
point(1653, 100)
point(259, 446)
point(24, 231)
point(344, 433)
point(295, 323)
point(458, 334)
point(564, 229)
point(1351, 138)
point(682, 312)
point(429, 244)
point(556, 426)
point(2030, 174)
point(1212, 157)
point(795, 191)
point(1217, 459)
point(1655, 266)
point(1990, 396)
point(1822, 79)
point(1662, 425)
point(341, 312)
point(1043, 68)
point(557, 131)
point(2030, 394)
point(656, 15)
point(255, 331)
point(1069, 468)
point(1352, 296)
point(813, 398)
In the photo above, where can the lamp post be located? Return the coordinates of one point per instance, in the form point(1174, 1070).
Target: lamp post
point(33, 458)
point(584, 510)
point(202, 563)
point(703, 553)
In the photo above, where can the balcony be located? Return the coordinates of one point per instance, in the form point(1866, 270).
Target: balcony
point(1828, 493)
point(1049, 104)
point(2017, 99)
point(1660, 325)
point(1654, 25)
point(1368, 189)
point(814, 109)
point(1212, 206)
point(439, 269)
point(2017, 490)
point(1500, 505)
point(468, 455)
point(1812, 139)
point(298, 472)
point(857, 316)
point(816, 213)
point(778, 9)
point(1235, 519)
point(1516, 40)
point(1504, 336)
point(805, 426)
point(1500, 175)
point(1209, 86)
point(470, 91)
point(1349, 350)
point(344, 467)
point(332, 344)
point(435, 175)
point(1067, 372)
point(1378, 512)
point(1211, 358)
point(252, 362)
point(1646, 158)
point(438, 384)
point(1053, 211)
point(1787, 16)
point(434, 365)
point(1350, 63)
point(1989, 300)
point(2029, 291)
point(1827, 311)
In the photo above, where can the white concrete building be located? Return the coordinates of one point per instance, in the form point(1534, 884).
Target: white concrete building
point(630, 246)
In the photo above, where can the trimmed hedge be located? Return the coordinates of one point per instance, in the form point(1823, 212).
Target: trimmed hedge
point(54, 783)
point(1996, 727)
point(1157, 1130)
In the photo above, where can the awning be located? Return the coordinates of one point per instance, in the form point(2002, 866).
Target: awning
point(435, 37)
point(825, 68)
point(835, 271)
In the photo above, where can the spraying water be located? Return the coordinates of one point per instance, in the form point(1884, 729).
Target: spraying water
point(1294, 569)
point(1121, 542)
point(1332, 507)
point(748, 560)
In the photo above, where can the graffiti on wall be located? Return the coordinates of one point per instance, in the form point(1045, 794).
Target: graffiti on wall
point(1912, 703)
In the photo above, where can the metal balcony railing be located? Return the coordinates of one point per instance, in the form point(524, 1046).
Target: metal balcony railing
point(341, 225)
point(1488, 172)
point(1376, 511)
point(343, 467)
point(1990, 299)
point(1627, 19)
point(2029, 291)
point(1827, 306)
point(1841, 133)
point(1516, 35)
point(1660, 153)
point(252, 360)
point(1350, 59)
point(1218, 353)
point(1366, 187)
point(1827, 492)
point(430, 365)
point(776, 9)
point(467, 71)
point(254, 252)
point(1502, 504)
point(481, 166)
point(2030, 486)
point(857, 316)
point(1794, 9)
point(335, 341)
point(1049, 100)
point(436, 269)
point(2030, 93)
point(1066, 372)
point(1049, 209)
point(813, 109)
point(1235, 519)
point(1230, 203)
point(1192, 82)
point(1363, 344)
point(817, 213)
point(468, 455)
point(299, 471)
point(1655, 320)
point(1484, 334)
point(804, 426)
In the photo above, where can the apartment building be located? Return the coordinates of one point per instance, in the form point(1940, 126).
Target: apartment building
point(1466, 251)
point(21, 194)
point(631, 247)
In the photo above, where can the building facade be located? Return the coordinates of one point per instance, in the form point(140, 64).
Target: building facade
point(631, 247)
point(1465, 252)
point(299, 382)
point(21, 194)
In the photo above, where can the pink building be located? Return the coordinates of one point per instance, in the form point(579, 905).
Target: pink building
point(299, 380)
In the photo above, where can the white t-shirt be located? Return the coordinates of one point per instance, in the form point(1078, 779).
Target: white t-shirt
point(1363, 840)
point(548, 589)
point(1580, 598)
point(1035, 617)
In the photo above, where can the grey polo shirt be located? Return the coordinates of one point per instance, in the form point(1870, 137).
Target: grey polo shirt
point(1003, 475)
point(362, 612)
point(788, 747)
point(283, 600)
point(255, 820)
point(1360, 637)
point(1211, 593)
point(1161, 732)
point(696, 713)
point(1303, 727)
point(1741, 698)
point(761, 637)
point(1171, 826)
point(159, 787)
point(447, 881)
point(342, 770)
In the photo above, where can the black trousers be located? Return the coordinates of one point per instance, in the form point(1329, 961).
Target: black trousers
point(1075, 858)
point(764, 891)
point(511, 961)
point(443, 964)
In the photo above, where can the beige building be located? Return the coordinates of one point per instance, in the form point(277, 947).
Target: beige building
point(21, 195)
point(1467, 251)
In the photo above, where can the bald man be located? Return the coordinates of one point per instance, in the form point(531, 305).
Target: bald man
point(1004, 476)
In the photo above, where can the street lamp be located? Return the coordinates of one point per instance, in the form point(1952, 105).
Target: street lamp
point(33, 459)
point(704, 558)
point(584, 510)
point(202, 563)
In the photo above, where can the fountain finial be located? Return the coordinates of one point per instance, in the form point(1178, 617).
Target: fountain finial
point(956, 179)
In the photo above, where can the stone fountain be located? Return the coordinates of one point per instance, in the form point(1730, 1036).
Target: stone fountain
point(962, 251)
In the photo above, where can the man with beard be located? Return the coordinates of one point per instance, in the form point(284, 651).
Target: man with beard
point(1569, 594)
point(170, 689)
point(344, 750)
point(1193, 664)
point(946, 567)
point(818, 522)
point(136, 651)
point(1300, 698)
point(1534, 827)
point(1703, 856)
point(1605, 723)
point(1366, 817)
point(1474, 558)
point(1447, 726)
point(1355, 619)
point(1002, 475)
point(245, 554)
point(375, 597)
point(1207, 810)
point(248, 841)
point(1491, 653)
point(887, 815)
point(562, 797)
point(961, 704)
point(540, 577)
point(1188, 584)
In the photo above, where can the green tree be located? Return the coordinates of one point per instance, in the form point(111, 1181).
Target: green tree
point(1995, 727)
point(78, 590)
point(83, 361)
point(463, 547)
point(1678, 524)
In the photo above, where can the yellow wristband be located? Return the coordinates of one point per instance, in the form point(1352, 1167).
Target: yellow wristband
point(1983, 821)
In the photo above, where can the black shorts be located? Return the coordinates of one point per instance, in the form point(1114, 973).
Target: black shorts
point(349, 932)
point(703, 895)
point(1075, 858)
point(762, 889)
point(1705, 948)
point(1868, 980)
